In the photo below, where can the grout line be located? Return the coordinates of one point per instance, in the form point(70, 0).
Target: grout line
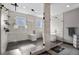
point(52, 52)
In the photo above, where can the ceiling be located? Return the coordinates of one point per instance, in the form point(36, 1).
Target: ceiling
point(59, 8)
point(56, 8)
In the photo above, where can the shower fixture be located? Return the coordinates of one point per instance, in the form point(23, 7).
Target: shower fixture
point(15, 5)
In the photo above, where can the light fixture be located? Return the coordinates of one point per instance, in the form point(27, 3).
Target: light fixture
point(67, 6)
point(24, 7)
point(32, 10)
point(36, 11)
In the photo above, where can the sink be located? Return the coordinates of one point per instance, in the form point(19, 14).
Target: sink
point(33, 37)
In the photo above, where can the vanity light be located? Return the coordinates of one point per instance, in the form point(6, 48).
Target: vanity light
point(67, 6)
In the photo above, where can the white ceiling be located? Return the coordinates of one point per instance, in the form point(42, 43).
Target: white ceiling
point(59, 8)
point(56, 8)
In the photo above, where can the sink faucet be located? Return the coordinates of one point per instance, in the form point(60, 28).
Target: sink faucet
point(34, 32)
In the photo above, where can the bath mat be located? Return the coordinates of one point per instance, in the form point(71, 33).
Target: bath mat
point(58, 49)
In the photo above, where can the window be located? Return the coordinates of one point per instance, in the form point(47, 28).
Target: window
point(21, 21)
point(39, 23)
point(71, 31)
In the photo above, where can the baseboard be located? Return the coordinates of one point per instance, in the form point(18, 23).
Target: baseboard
point(68, 43)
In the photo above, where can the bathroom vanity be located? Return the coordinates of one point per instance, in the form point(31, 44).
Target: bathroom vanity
point(76, 41)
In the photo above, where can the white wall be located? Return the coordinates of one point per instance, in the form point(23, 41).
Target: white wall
point(22, 32)
point(57, 26)
point(71, 19)
point(3, 33)
point(0, 29)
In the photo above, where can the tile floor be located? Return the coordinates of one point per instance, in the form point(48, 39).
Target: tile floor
point(69, 49)
point(13, 48)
